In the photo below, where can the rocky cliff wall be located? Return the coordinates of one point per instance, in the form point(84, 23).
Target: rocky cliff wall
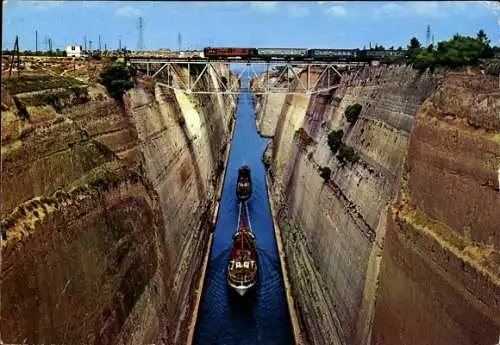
point(330, 230)
point(104, 212)
point(440, 282)
point(434, 279)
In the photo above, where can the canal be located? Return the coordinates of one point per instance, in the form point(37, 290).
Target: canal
point(260, 317)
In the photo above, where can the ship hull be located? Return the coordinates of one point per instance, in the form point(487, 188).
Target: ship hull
point(241, 290)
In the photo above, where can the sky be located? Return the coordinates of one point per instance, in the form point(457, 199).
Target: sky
point(312, 24)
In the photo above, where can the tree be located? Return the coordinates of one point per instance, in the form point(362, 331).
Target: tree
point(334, 140)
point(347, 153)
point(352, 112)
point(424, 60)
point(414, 44)
point(482, 37)
point(117, 80)
point(325, 173)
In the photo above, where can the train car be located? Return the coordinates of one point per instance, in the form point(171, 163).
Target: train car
point(223, 53)
point(380, 54)
point(338, 54)
point(283, 53)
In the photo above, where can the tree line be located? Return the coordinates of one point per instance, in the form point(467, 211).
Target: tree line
point(456, 52)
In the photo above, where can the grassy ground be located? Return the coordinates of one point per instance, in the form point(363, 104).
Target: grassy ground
point(38, 82)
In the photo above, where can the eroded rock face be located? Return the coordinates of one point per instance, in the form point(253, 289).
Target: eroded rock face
point(440, 282)
point(437, 264)
point(105, 215)
point(329, 229)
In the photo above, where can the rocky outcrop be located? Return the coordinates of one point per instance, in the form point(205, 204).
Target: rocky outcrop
point(334, 231)
point(440, 282)
point(104, 213)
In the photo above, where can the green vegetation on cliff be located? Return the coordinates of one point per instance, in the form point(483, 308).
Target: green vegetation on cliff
point(334, 140)
point(352, 112)
point(325, 173)
point(117, 79)
point(348, 154)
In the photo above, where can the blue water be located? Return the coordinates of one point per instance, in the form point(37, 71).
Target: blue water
point(260, 317)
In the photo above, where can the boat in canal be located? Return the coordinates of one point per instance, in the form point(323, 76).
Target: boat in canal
point(244, 184)
point(242, 267)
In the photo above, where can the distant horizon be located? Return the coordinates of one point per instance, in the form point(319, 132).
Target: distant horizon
point(321, 24)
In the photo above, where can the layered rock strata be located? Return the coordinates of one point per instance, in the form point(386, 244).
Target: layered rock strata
point(104, 212)
point(440, 282)
point(333, 231)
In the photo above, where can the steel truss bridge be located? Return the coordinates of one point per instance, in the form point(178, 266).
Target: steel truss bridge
point(288, 77)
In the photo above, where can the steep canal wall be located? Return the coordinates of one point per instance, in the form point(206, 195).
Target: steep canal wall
point(334, 231)
point(106, 210)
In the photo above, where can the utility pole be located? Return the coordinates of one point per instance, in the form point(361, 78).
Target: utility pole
point(99, 43)
point(15, 54)
point(428, 35)
point(105, 47)
point(85, 42)
point(140, 40)
point(36, 41)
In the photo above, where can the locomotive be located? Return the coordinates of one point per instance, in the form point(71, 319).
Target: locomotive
point(298, 54)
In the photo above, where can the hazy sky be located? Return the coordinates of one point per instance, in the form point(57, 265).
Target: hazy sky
point(320, 24)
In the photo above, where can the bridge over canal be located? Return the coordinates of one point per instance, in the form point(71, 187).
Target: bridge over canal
point(300, 77)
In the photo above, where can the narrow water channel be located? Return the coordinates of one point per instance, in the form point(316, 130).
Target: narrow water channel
point(260, 317)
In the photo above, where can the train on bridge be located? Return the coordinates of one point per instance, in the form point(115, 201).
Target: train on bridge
point(302, 54)
point(283, 54)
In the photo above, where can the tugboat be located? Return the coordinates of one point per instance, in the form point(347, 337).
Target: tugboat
point(242, 267)
point(244, 184)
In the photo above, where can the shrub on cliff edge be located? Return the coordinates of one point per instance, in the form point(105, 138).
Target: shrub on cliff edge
point(325, 173)
point(117, 79)
point(347, 153)
point(334, 140)
point(352, 112)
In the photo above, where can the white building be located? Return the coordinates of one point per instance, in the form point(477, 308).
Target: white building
point(74, 51)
